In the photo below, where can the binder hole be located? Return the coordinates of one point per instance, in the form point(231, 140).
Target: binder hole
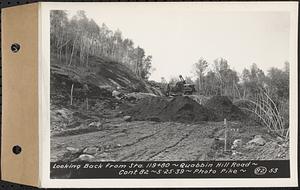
point(15, 47)
point(17, 149)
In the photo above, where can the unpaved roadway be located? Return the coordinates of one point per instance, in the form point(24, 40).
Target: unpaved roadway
point(141, 141)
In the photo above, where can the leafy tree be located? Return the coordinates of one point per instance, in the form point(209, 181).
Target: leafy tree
point(227, 78)
point(200, 68)
point(146, 67)
point(253, 81)
point(278, 83)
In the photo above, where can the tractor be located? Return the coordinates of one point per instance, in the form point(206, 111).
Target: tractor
point(180, 88)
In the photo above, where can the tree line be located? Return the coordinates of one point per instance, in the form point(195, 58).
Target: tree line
point(218, 78)
point(74, 40)
point(265, 94)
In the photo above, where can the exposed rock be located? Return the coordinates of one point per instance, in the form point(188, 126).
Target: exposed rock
point(236, 153)
point(85, 157)
point(279, 138)
point(90, 150)
point(127, 118)
point(257, 136)
point(73, 150)
point(116, 94)
point(103, 160)
point(118, 145)
point(257, 141)
point(237, 143)
point(95, 124)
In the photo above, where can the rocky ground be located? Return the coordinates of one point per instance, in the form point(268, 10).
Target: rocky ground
point(108, 134)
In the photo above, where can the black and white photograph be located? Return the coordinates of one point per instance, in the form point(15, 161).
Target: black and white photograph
point(165, 82)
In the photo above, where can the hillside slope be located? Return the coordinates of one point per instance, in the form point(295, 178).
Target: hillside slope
point(102, 77)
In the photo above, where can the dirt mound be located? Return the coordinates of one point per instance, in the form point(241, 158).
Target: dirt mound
point(180, 109)
point(223, 108)
point(148, 108)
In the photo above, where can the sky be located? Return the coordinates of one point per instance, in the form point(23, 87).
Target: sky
point(177, 36)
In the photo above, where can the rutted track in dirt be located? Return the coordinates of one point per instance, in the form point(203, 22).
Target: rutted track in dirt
point(141, 141)
point(172, 146)
point(194, 146)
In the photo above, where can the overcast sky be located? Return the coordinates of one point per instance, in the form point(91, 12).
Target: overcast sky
point(177, 36)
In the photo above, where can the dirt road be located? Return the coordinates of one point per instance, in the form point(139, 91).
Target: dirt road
point(141, 141)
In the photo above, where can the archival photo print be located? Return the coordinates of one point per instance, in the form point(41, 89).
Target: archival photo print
point(156, 85)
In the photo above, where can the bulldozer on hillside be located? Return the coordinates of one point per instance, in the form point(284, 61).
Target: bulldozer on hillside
point(180, 88)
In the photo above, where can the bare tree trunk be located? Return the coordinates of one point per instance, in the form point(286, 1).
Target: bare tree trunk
point(200, 85)
point(70, 62)
point(87, 60)
point(87, 103)
point(60, 50)
point(66, 54)
point(90, 50)
point(71, 96)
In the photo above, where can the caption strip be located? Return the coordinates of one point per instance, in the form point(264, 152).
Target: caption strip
point(201, 169)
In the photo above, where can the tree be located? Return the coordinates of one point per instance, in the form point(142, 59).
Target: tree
point(200, 68)
point(230, 80)
point(211, 83)
point(58, 32)
point(74, 40)
point(92, 33)
point(227, 78)
point(278, 83)
point(146, 67)
point(267, 97)
point(220, 64)
point(253, 81)
point(139, 56)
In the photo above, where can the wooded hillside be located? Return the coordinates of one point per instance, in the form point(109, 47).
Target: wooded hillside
point(82, 37)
